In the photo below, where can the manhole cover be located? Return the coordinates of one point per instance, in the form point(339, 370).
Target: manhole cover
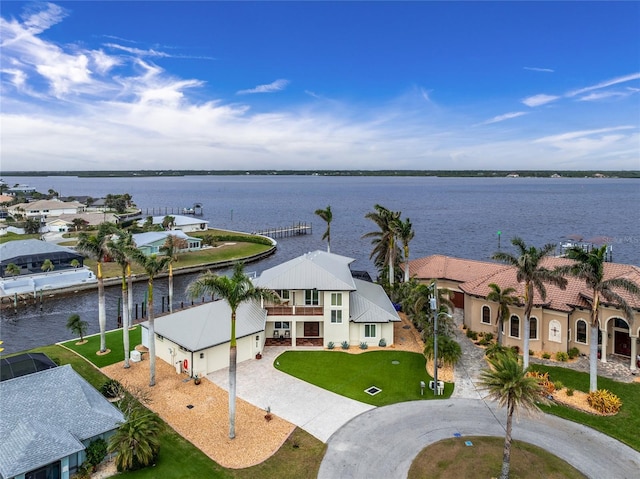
point(189, 406)
point(406, 327)
point(395, 362)
point(373, 390)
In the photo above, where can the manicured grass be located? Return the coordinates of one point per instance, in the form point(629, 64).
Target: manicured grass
point(350, 374)
point(114, 343)
point(453, 459)
point(14, 236)
point(624, 426)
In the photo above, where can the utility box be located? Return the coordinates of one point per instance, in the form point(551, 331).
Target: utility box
point(136, 357)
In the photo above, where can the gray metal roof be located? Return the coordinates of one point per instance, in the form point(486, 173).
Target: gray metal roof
point(143, 239)
point(45, 415)
point(209, 325)
point(370, 304)
point(17, 248)
point(316, 270)
point(179, 220)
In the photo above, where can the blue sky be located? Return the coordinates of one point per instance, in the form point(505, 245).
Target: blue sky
point(320, 85)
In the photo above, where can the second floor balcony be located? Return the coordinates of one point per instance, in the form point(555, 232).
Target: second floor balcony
point(283, 310)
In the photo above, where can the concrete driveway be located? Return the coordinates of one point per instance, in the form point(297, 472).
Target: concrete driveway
point(384, 441)
point(317, 411)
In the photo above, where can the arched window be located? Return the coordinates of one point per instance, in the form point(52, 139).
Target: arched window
point(514, 331)
point(581, 331)
point(486, 315)
point(533, 328)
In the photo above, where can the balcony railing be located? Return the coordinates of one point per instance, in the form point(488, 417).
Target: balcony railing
point(295, 310)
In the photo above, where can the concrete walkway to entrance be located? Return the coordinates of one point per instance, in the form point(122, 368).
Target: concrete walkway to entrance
point(317, 411)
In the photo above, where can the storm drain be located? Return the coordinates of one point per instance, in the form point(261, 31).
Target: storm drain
point(373, 390)
point(189, 406)
point(395, 362)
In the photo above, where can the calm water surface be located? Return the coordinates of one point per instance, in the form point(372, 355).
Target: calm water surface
point(452, 216)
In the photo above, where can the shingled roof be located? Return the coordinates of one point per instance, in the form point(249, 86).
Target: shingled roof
point(46, 415)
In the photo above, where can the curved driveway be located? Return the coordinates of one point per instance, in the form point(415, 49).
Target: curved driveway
point(384, 441)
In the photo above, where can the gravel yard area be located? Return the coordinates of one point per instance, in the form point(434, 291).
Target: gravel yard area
point(206, 425)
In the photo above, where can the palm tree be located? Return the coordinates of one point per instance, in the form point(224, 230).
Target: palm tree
point(77, 326)
point(326, 216)
point(168, 222)
point(12, 269)
point(120, 247)
point(137, 440)
point(74, 263)
point(589, 267)
point(47, 266)
point(405, 233)
point(506, 382)
point(170, 249)
point(385, 249)
point(504, 298)
point(152, 265)
point(235, 290)
point(96, 247)
point(449, 351)
point(529, 270)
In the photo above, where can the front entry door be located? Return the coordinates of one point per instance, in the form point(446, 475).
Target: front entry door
point(311, 329)
point(622, 343)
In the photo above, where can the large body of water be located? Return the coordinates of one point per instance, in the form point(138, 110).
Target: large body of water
point(451, 216)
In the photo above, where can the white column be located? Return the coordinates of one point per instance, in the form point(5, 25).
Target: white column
point(634, 352)
point(605, 340)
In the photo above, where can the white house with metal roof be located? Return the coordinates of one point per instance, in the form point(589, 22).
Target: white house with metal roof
point(180, 222)
point(321, 303)
point(48, 419)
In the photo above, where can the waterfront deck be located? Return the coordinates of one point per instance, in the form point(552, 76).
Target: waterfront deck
point(286, 231)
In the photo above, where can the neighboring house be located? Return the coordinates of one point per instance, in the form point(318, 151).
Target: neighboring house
point(151, 242)
point(46, 208)
point(6, 199)
point(29, 255)
point(557, 324)
point(21, 190)
point(181, 223)
point(321, 303)
point(48, 419)
point(64, 222)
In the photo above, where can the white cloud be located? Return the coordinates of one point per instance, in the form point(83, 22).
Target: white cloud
point(604, 94)
point(139, 52)
point(277, 85)
point(538, 100)
point(572, 135)
point(536, 69)
point(506, 116)
point(604, 84)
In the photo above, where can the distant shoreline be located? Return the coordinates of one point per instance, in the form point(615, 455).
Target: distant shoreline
point(597, 174)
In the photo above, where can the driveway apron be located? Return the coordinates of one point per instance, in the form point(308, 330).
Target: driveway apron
point(317, 411)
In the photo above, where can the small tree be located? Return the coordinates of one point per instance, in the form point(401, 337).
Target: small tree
point(504, 298)
point(137, 440)
point(326, 216)
point(77, 326)
point(75, 263)
point(47, 265)
point(449, 351)
point(12, 269)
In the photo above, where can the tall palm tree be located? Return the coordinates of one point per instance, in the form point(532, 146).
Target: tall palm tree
point(326, 216)
point(529, 270)
point(137, 440)
point(506, 382)
point(385, 248)
point(405, 233)
point(119, 247)
point(152, 265)
point(589, 267)
point(235, 290)
point(170, 249)
point(96, 247)
point(504, 298)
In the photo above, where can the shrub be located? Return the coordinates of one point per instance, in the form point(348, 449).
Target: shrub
point(574, 353)
point(345, 345)
point(472, 335)
point(604, 401)
point(382, 343)
point(488, 336)
point(562, 356)
point(543, 380)
point(569, 391)
point(546, 356)
point(331, 345)
point(96, 452)
point(363, 345)
point(516, 349)
point(484, 342)
point(558, 385)
point(481, 334)
point(111, 389)
point(495, 349)
point(531, 352)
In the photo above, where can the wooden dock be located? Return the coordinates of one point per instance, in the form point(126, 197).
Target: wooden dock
point(287, 231)
point(195, 210)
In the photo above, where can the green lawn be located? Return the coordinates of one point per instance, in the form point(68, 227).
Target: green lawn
point(114, 343)
point(350, 374)
point(624, 426)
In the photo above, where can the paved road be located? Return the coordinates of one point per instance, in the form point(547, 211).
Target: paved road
point(384, 441)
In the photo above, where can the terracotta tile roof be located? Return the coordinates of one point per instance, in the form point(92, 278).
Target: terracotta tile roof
point(574, 296)
point(455, 269)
